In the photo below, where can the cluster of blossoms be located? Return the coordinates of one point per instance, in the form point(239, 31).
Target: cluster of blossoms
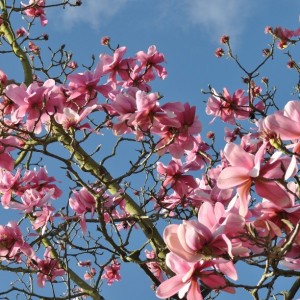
point(203, 251)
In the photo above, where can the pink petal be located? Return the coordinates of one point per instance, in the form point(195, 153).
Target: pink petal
point(238, 157)
point(170, 287)
point(233, 176)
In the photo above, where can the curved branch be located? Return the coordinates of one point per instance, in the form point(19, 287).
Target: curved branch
point(88, 164)
point(8, 32)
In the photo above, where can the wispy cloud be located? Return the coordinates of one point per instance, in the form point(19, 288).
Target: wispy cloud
point(216, 17)
point(220, 16)
point(91, 12)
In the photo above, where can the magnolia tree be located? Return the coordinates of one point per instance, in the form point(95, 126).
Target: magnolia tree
point(162, 196)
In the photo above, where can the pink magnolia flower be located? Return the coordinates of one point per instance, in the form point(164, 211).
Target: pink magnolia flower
point(42, 218)
point(12, 244)
point(270, 219)
point(116, 65)
point(246, 168)
point(21, 32)
point(33, 47)
point(176, 139)
point(291, 259)
point(82, 202)
point(152, 60)
point(112, 272)
point(197, 157)
point(208, 237)
point(41, 181)
point(71, 119)
point(154, 266)
point(3, 78)
point(174, 176)
point(36, 180)
point(90, 274)
point(35, 8)
point(36, 103)
point(84, 86)
point(48, 268)
point(285, 35)
point(227, 107)
point(32, 199)
point(185, 282)
point(7, 145)
point(285, 123)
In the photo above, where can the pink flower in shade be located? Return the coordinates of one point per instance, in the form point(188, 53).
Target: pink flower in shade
point(154, 266)
point(284, 123)
point(112, 272)
point(185, 282)
point(208, 237)
point(48, 268)
point(227, 107)
point(246, 168)
point(12, 244)
point(34, 9)
point(174, 177)
point(82, 202)
point(152, 60)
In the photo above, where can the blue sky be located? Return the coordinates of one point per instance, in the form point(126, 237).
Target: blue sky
point(187, 32)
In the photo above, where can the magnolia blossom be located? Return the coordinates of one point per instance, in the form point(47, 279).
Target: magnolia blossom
point(35, 8)
point(48, 268)
point(284, 123)
point(152, 60)
point(208, 237)
point(7, 145)
point(82, 202)
point(116, 65)
point(112, 272)
point(246, 168)
point(177, 139)
point(174, 176)
point(12, 244)
point(154, 266)
point(35, 103)
point(185, 282)
point(70, 119)
point(228, 107)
